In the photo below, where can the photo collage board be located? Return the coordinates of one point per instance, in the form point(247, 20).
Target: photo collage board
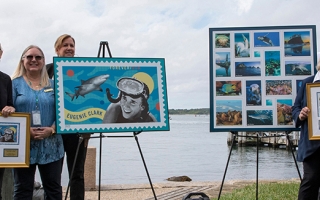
point(255, 73)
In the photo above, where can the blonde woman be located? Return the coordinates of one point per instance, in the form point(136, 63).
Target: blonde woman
point(33, 93)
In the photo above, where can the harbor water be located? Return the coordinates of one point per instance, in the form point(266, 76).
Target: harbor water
point(190, 149)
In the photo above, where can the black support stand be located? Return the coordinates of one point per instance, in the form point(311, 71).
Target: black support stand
point(103, 45)
point(74, 164)
point(258, 138)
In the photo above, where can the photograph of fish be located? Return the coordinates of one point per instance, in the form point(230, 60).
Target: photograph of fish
point(272, 63)
point(259, 117)
point(296, 68)
point(284, 113)
point(223, 64)
point(228, 88)
point(228, 112)
point(110, 95)
point(242, 45)
point(222, 40)
point(253, 93)
point(252, 68)
point(266, 39)
point(278, 87)
point(297, 43)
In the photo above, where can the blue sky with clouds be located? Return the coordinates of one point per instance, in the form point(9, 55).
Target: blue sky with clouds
point(177, 30)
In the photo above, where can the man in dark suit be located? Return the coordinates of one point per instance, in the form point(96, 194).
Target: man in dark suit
point(309, 150)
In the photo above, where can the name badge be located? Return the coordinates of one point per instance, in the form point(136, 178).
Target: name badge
point(48, 90)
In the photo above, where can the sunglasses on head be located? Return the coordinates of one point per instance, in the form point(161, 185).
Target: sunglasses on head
point(31, 57)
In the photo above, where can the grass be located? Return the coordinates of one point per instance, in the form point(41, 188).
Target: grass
point(266, 191)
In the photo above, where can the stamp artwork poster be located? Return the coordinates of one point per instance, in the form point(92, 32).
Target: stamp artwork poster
point(255, 74)
point(100, 95)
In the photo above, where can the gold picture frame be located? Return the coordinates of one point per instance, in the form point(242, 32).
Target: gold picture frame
point(15, 140)
point(313, 103)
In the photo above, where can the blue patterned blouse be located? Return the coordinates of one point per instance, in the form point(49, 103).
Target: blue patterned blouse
point(51, 148)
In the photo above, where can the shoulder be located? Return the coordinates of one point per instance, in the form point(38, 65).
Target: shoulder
point(4, 75)
point(49, 66)
point(309, 79)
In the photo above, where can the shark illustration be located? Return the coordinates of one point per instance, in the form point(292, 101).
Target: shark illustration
point(225, 64)
point(266, 40)
point(89, 86)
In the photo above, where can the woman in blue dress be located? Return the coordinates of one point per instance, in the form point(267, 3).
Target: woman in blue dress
point(33, 93)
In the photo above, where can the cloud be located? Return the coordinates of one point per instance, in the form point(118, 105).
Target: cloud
point(177, 30)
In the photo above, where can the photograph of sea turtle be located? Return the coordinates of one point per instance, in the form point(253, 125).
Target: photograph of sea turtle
point(253, 93)
point(228, 88)
point(242, 45)
point(252, 68)
point(223, 64)
point(278, 87)
point(266, 39)
point(228, 112)
point(284, 113)
point(296, 68)
point(259, 117)
point(298, 85)
point(297, 43)
point(272, 63)
point(222, 40)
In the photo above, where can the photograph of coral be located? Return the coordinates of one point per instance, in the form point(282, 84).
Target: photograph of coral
point(272, 63)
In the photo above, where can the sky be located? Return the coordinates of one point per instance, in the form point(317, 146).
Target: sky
point(177, 30)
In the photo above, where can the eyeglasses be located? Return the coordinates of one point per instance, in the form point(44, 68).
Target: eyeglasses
point(31, 57)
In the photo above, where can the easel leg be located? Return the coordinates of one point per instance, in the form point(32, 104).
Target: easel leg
point(294, 158)
point(144, 163)
point(74, 164)
point(225, 171)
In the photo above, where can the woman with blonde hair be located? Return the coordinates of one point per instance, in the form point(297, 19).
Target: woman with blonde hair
point(33, 93)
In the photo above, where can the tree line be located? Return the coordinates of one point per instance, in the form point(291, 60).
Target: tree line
point(195, 111)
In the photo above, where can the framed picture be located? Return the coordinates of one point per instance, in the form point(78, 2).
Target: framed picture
point(101, 95)
point(15, 140)
point(255, 73)
point(313, 103)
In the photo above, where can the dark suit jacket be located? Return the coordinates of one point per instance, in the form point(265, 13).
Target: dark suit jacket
point(306, 147)
point(50, 70)
point(5, 91)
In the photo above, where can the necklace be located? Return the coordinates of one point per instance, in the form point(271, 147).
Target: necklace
point(37, 86)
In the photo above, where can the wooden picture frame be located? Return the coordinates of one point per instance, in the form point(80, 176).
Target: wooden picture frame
point(313, 103)
point(15, 140)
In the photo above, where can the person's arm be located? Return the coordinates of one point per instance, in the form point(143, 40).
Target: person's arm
point(298, 105)
point(8, 109)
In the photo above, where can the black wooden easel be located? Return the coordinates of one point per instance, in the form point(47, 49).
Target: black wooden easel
point(103, 46)
point(258, 137)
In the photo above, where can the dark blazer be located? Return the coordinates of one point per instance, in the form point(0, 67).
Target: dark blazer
point(50, 70)
point(5, 91)
point(306, 147)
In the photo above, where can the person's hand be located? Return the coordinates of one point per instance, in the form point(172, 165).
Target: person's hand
point(7, 110)
point(40, 133)
point(304, 113)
